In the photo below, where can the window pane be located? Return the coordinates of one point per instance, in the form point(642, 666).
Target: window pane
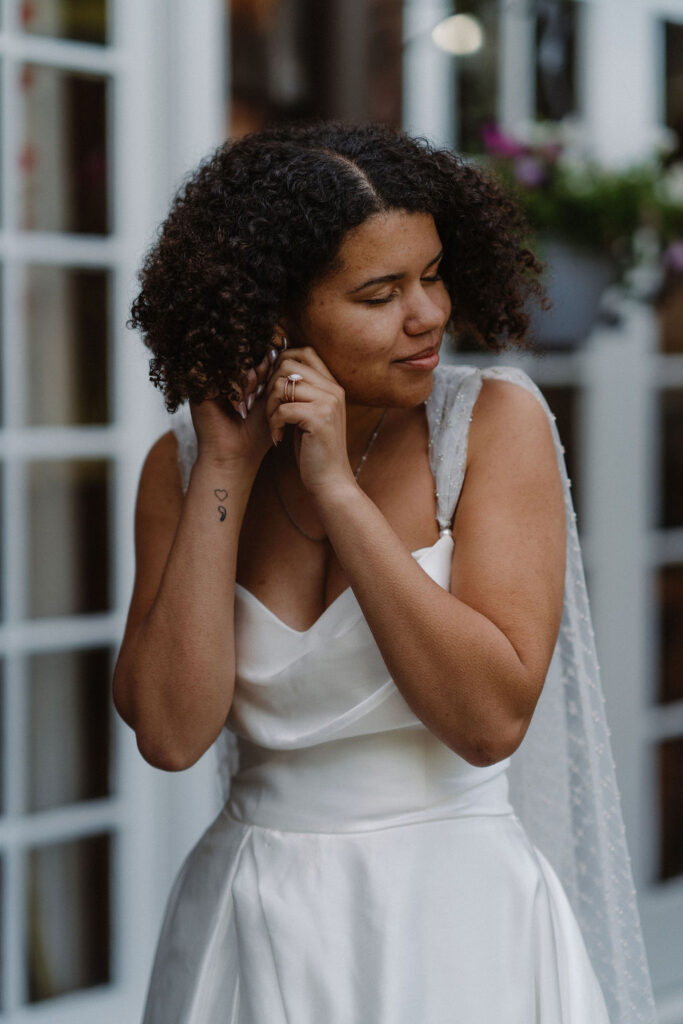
point(63, 159)
point(82, 20)
point(673, 77)
point(3, 721)
point(68, 540)
point(670, 314)
point(564, 404)
point(671, 808)
point(670, 595)
point(67, 342)
point(3, 575)
point(477, 78)
point(556, 59)
point(671, 458)
point(69, 728)
point(2, 931)
point(68, 917)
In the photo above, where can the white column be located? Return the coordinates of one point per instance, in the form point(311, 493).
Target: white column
point(617, 446)
point(516, 67)
point(619, 81)
point(429, 101)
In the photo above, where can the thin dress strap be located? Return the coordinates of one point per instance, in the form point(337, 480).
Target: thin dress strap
point(183, 428)
point(449, 412)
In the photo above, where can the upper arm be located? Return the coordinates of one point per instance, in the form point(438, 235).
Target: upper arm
point(510, 525)
point(157, 512)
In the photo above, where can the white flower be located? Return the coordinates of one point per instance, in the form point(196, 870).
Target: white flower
point(670, 185)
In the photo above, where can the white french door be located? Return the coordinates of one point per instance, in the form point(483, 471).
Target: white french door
point(104, 103)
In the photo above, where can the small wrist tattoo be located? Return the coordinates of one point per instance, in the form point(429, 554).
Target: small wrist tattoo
point(221, 494)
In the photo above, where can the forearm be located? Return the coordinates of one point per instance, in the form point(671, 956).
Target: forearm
point(455, 668)
point(178, 667)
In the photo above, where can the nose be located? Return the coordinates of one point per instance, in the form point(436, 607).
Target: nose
point(428, 308)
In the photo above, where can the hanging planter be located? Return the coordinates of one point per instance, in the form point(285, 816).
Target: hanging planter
point(588, 222)
point(576, 280)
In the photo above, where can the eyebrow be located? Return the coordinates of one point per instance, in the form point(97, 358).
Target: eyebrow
point(387, 278)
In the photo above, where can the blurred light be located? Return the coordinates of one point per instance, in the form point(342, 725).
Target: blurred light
point(460, 34)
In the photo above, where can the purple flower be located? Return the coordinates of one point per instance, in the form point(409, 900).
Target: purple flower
point(673, 257)
point(499, 144)
point(530, 171)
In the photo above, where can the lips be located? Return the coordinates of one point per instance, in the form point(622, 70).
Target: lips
point(420, 355)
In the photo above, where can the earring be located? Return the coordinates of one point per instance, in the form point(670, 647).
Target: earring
point(285, 343)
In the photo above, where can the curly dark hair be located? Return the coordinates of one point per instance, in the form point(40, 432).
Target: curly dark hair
point(263, 219)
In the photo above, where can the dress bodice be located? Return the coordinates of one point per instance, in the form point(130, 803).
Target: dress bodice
point(326, 741)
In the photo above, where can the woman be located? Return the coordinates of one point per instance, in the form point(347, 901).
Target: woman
point(367, 564)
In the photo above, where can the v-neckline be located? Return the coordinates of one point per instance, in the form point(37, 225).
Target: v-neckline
point(244, 592)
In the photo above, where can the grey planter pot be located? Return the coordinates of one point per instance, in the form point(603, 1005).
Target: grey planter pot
point(576, 280)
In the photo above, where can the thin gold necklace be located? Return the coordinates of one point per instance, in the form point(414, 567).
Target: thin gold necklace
point(321, 540)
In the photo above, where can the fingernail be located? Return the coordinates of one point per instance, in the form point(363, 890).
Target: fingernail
point(243, 410)
point(250, 402)
point(259, 390)
point(274, 440)
point(272, 354)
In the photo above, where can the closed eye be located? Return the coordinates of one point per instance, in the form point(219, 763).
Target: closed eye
point(383, 302)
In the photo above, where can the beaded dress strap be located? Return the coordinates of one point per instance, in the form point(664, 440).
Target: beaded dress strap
point(449, 412)
point(183, 428)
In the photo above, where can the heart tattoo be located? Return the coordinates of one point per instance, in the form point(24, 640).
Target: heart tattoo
point(221, 494)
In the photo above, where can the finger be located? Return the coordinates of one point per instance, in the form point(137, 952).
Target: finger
point(239, 405)
point(309, 373)
point(309, 357)
point(249, 389)
point(262, 373)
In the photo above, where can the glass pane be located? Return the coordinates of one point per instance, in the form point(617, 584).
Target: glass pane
point(671, 458)
point(385, 70)
point(63, 161)
point(670, 598)
point(2, 931)
point(557, 33)
point(67, 342)
point(564, 404)
point(69, 728)
point(3, 575)
point(670, 314)
point(3, 720)
point(477, 77)
point(671, 808)
point(68, 539)
point(673, 77)
point(68, 917)
point(83, 20)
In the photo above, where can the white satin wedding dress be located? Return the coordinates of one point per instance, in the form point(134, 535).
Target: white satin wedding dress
point(361, 872)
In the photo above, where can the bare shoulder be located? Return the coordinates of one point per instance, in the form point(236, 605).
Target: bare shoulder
point(510, 412)
point(510, 523)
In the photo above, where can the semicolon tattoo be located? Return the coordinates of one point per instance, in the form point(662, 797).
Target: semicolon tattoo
point(221, 494)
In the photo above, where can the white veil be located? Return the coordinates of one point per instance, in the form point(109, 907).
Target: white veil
point(562, 779)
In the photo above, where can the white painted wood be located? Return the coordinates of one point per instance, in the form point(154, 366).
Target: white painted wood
point(429, 81)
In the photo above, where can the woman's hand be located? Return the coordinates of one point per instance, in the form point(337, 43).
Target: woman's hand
point(236, 430)
point(319, 414)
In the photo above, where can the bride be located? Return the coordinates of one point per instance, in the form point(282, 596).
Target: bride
point(358, 575)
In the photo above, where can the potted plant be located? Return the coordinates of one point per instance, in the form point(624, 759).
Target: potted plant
point(594, 226)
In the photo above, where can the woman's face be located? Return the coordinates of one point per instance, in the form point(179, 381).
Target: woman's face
point(383, 304)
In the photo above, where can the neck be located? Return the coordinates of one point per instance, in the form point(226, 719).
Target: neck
point(361, 421)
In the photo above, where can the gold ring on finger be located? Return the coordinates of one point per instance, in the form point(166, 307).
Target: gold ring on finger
point(290, 386)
